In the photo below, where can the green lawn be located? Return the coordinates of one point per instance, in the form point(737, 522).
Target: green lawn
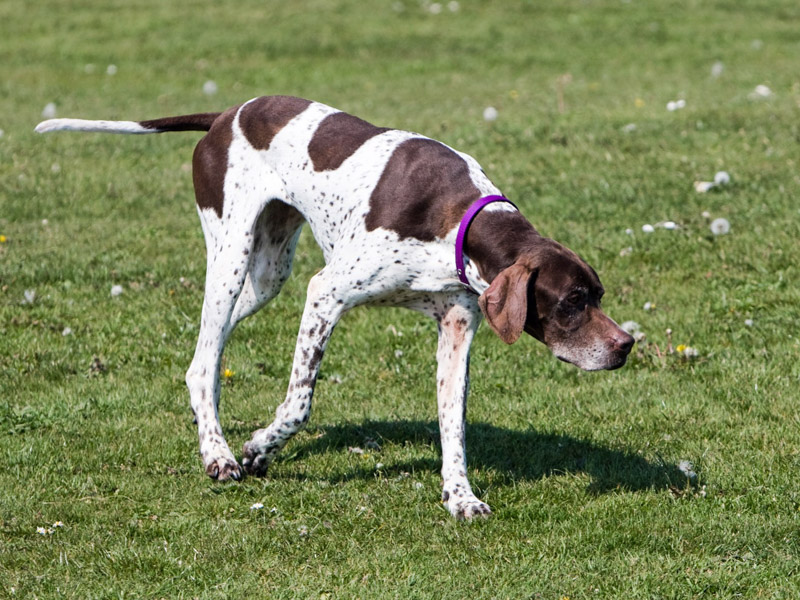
point(582, 470)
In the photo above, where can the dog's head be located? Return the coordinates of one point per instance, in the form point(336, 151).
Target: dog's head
point(553, 295)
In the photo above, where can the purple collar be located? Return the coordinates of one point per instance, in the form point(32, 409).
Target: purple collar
point(466, 221)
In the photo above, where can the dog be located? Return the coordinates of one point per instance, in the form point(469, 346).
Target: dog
point(402, 220)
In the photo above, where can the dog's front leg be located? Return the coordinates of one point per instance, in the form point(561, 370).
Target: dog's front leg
point(458, 320)
point(322, 311)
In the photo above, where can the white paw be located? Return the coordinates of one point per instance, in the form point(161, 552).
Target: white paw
point(223, 469)
point(465, 506)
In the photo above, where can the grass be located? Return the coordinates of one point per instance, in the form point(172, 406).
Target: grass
point(580, 469)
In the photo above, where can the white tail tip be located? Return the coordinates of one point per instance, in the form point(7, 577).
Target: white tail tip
point(96, 126)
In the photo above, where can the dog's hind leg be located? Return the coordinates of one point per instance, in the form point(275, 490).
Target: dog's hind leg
point(248, 262)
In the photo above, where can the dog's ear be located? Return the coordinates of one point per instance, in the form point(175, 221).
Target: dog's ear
point(505, 302)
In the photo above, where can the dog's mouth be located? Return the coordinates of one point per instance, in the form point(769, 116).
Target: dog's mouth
point(612, 362)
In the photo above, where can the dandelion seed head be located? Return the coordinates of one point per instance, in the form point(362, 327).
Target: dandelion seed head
point(647, 228)
point(111, 70)
point(690, 352)
point(687, 468)
point(722, 178)
point(210, 88)
point(49, 111)
point(116, 290)
point(720, 226)
point(630, 326)
point(490, 113)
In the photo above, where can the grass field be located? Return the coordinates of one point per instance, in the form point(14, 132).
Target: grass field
point(586, 473)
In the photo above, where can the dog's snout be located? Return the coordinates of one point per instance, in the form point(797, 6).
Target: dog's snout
point(623, 342)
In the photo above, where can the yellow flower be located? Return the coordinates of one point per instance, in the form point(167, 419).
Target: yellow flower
point(638, 103)
point(228, 374)
point(680, 348)
point(3, 239)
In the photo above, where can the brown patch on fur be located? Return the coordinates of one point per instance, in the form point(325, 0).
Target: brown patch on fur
point(338, 137)
point(423, 192)
point(264, 117)
point(210, 163)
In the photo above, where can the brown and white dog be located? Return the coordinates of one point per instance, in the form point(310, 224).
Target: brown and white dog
point(385, 206)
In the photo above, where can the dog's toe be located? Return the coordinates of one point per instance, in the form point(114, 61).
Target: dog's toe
point(472, 510)
point(466, 508)
point(224, 470)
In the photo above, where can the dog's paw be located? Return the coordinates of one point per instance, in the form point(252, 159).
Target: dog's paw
point(255, 460)
point(224, 469)
point(465, 507)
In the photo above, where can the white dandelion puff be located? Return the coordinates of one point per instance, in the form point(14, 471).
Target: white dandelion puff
point(111, 70)
point(630, 327)
point(49, 110)
point(690, 352)
point(687, 468)
point(647, 228)
point(722, 178)
point(210, 88)
point(116, 290)
point(490, 113)
point(720, 226)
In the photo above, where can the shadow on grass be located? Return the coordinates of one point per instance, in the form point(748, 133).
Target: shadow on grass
point(512, 454)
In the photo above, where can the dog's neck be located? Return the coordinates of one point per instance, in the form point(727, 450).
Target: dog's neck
point(517, 234)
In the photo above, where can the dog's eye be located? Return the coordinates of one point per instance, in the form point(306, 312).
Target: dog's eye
point(576, 298)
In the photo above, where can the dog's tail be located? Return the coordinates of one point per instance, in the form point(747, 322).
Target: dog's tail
point(197, 122)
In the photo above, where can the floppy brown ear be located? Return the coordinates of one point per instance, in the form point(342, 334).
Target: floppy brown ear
point(505, 302)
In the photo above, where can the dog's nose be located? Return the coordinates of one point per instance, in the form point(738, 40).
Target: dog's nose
point(623, 342)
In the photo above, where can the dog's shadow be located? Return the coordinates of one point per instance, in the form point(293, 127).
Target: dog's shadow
point(507, 453)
